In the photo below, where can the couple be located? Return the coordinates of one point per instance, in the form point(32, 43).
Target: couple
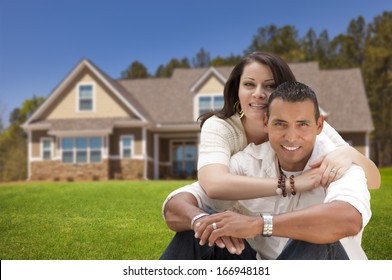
point(294, 219)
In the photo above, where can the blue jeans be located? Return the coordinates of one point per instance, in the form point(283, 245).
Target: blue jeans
point(184, 246)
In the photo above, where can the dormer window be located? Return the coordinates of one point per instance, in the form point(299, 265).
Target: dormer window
point(211, 102)
point(85, 98)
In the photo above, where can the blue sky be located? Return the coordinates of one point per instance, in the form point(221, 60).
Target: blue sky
point(42, 40)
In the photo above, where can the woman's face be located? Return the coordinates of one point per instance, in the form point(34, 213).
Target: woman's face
point(256, 85)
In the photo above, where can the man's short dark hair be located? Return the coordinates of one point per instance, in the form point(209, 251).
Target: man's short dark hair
point(293, 91)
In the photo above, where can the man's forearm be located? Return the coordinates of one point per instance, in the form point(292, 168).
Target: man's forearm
point(323, 223)
point(180, 210)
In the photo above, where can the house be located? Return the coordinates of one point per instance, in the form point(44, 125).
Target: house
point(93, 127)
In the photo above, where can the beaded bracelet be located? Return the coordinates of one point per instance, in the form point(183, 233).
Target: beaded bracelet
point(292, 186)
point(281, 189)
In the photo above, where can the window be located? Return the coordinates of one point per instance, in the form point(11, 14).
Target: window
point(82, 150)
point(126, 146)
point(67, 147)
point(208, 103)
point(95, 149)
point(46, 144)
point(184, 158)
point(85, 98)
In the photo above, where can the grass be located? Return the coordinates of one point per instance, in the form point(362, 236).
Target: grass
point(377, 236)
point(96, 220)
point(119, 220)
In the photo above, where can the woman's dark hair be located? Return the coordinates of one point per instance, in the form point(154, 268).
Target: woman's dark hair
point(280, 71)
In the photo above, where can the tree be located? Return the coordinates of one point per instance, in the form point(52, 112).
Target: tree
point(167, 71)
point(13, 142)
point(281, 41)
point(228, 61)
point(135, 71)
point(202, 59)
point(348, 49)
point(309, 45)
point(2, 111)
point(377, 72)
point(322, 48)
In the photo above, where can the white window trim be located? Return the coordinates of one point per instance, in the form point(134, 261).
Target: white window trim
point(196, 101)
point(132, 145)
point(78, 97)
point(42, 139)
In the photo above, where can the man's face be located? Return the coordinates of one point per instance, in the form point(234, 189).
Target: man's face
point(292, 131)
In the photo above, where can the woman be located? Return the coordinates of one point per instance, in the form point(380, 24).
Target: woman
point(240, 122)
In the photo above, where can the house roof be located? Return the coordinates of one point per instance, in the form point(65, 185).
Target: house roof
point(123, 95)
point(90, 126)
point(341, 94)
point(168, 102)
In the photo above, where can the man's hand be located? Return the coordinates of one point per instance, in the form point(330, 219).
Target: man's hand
point(228, 224)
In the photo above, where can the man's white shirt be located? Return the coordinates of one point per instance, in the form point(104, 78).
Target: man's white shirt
point(260, 161)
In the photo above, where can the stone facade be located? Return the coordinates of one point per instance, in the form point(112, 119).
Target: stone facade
point(57, 171)
point(129, 169)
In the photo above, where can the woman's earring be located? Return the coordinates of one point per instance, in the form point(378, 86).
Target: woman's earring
point(237, 108)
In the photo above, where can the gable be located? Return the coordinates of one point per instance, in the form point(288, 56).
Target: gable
point(211, 72)
point(105, 104)
point(103, 97)
point(211, 85)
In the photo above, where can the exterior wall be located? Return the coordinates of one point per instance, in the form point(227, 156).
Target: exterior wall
point(114, 141)
point(36, 142)
point(127, 169)
point(150, 169)
point(55, 170)
point(357, 140)
point(105, 104)
point(213, 85)
point(150, 145)
point(164, 158)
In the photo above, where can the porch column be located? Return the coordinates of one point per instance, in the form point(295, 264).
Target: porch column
point(156, 156)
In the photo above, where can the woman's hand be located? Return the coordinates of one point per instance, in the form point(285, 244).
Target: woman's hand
point(333, 165)
point(308, 180)
point(228, 224)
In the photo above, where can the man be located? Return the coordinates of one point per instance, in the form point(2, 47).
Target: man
point(321, 218)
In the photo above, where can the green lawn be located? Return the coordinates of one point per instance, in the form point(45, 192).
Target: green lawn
point(120, 220)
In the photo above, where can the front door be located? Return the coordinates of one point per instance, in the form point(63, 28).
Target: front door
point(184, 159)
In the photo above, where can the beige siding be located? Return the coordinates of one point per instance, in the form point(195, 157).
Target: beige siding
point(116, 136)
point(105, 103)
point(36, 142)
point(213, 85)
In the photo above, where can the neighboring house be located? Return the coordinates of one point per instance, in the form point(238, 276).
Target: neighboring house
point(92, 127)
